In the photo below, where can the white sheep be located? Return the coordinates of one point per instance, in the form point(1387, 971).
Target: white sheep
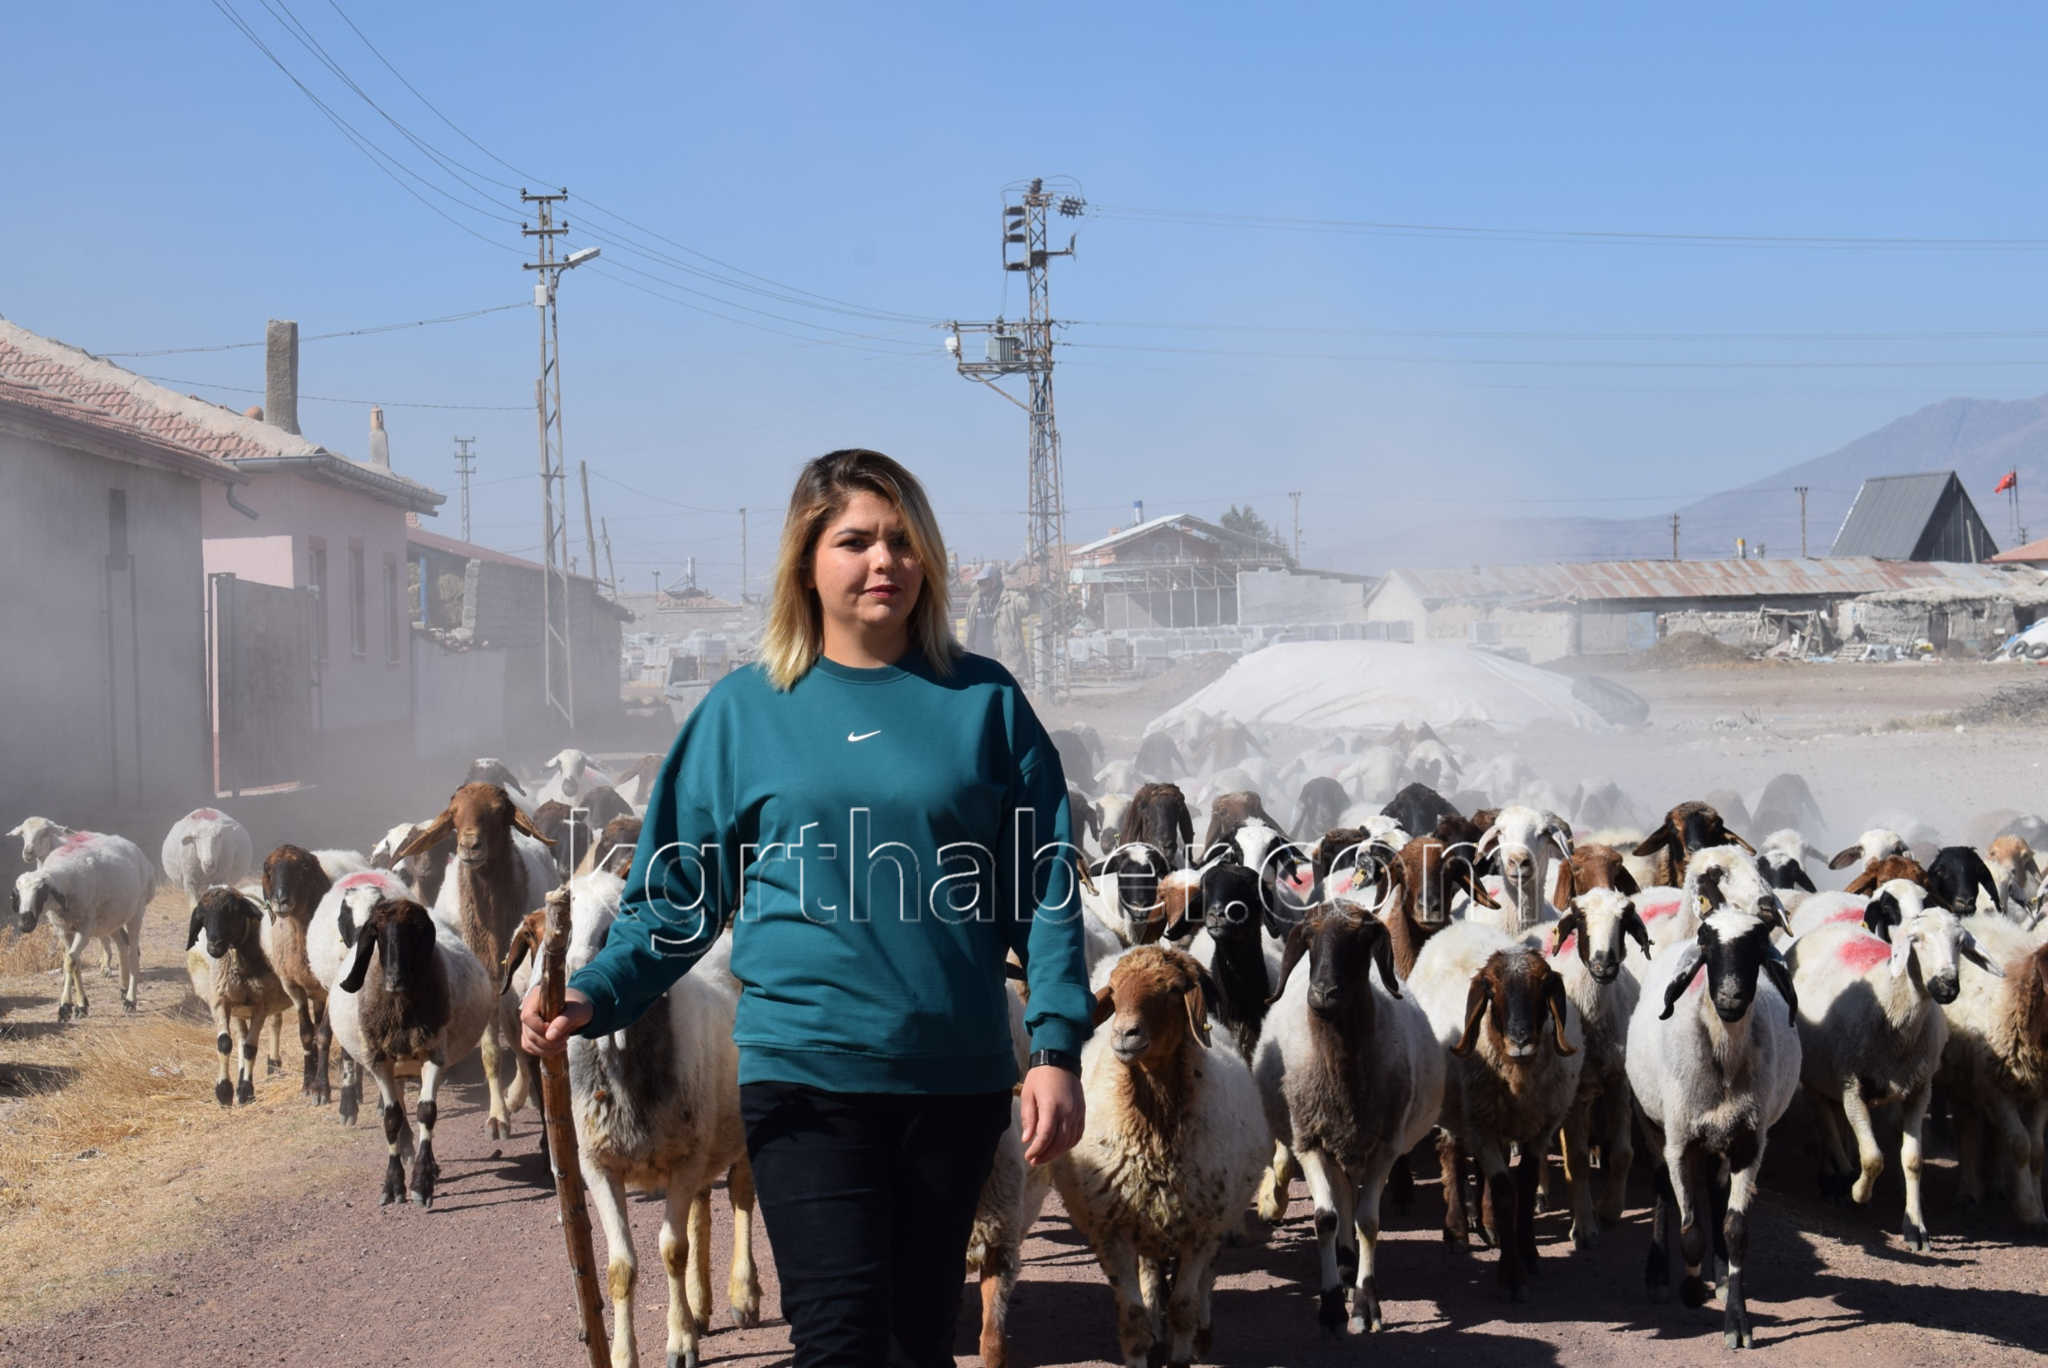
point(1170, 1153)
point(1996, 1065)
point(230, 973)
point(678, 1130)
point(39, 836)
point(1535, 850)
point(571, 773)
point(330, 941)
point(205, 848)
point(1871, 1029)
point(420, 1014)
point(1589, 951)
point(91, 885)
point(1713, 1067)
point(1872, 846)
point(1516, 1045)
point(1352, 1078)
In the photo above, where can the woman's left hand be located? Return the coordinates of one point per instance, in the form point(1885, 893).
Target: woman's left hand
point(1052, 1112)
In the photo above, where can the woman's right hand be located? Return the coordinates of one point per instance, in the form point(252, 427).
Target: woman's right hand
point(538, 1037)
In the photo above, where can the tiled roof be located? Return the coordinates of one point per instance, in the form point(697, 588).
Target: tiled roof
point(68, 416)
point(78, 383)
point(2034, 552)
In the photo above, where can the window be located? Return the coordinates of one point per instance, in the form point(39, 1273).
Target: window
point(394, 625)
point(316, 575)
point(358, 602)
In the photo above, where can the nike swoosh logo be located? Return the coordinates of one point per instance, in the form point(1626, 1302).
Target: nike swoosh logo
point(863, 735)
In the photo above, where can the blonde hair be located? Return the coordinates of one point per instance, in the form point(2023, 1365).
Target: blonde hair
point(794, 634)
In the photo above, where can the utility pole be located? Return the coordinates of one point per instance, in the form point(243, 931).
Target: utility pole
point(1295, 495)
point(464, 464)
point(611, 572)
point(1802, 520)
point(1674, 536)
point(557, 658)
point(743, 558)
point(589, 532)
point(1026, 349)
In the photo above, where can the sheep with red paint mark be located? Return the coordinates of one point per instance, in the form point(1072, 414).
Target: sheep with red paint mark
point(91, 886)
point(1872, 1030)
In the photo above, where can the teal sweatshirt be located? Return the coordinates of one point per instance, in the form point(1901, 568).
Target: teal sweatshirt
point(878, 840)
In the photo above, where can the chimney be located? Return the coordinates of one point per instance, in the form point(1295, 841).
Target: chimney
point(281, 375)
point(1137, 511)
point(380, 441)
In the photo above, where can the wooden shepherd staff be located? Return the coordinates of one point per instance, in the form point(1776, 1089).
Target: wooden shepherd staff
point(554, 1091)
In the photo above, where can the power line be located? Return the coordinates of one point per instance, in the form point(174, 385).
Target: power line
point(331, 399)
point(325, 337)
point(1567, 363)
point(1620, 237)
point(1551, 335)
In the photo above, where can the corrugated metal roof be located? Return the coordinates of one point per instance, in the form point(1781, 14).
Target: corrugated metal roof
point(1890, 516)
point(1830, 577)
point(1184, 522)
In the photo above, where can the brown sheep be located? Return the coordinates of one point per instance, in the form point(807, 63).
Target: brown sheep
point(1687, 829)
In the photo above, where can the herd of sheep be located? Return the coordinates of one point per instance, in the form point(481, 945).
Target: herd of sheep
point(1435, 944)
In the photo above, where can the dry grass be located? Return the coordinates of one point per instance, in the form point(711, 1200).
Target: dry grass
point(35, 953)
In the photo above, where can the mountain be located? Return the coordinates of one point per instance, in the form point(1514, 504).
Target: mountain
point(1980, 439)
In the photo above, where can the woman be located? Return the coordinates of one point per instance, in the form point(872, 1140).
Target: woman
point(882, 819)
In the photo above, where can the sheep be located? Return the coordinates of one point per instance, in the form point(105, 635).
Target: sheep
point(1087, 818)
point(1883, 870)
point(1011, 1198)
point(1534, 850)
point(91, 885)
point(1417, 902)
point(613, 849)
point(564, 829)
point(1826, 909)
point(1351, 1078)
point(1870, 847)
point(1996, 1064)
point(1686, 829)
point(1122, 893)
point(489, 769)
point(1320, 805)
point(1158, 816)
point(1711, 1080)
point(500, 871)
point(1223, 901)
point(2017, 872)
point(1588, 948)
point(1871, 1028)
point(206, 847)
point(1419, 808)
point(1597, 865)
point(39, 836)
point(330, 940)
point(1486, 996)
point(1782, 858)
point(1170, 1153)
point(1786, 801)
point(1956, 878)
point(425, 868)
point(1230, 811)
point(236, 981)
point(573, 774)
point(657, 1107)
point(1601, 803)
point(294, 882)
point(422, 1013)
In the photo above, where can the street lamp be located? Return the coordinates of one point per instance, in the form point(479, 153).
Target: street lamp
point(579, 256)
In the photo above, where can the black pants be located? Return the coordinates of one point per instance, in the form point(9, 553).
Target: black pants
point(869, 1199)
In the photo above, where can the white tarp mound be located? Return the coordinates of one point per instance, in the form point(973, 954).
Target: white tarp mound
point(1344, 685)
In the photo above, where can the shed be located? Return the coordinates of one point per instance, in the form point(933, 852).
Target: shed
point(1926, 517)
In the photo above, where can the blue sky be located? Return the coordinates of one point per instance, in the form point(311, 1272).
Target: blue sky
point(167, 187)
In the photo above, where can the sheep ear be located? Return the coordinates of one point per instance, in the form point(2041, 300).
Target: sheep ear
point(1561, 896)
point(366, 941)
point(1660, 839)
point(1844, 858)
point(1554, 993)
point(1902, 953)
point(1862, 883)
point(426, 837)
point(1198, 1012)
point(1383, 956)
point(1573, 922)
point(1105, 1006)
point(1737, 840)
point(1297, 945)
point(523, 940)
point(1880, 915)
point(192, 934)
point(1488, 843)
point(1632, 926)
point(1082, 875)
point(1625, 883)
point(1681, 979)
point(1476, 999)
point(1477, 888)
point(1801, 879)
point(1967, 944)
point(1781, 975)
point(1981, 874)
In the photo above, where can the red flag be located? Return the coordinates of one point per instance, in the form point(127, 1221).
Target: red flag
point(2012, 477)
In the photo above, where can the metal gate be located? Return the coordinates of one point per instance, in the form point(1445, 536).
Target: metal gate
point(263, 677)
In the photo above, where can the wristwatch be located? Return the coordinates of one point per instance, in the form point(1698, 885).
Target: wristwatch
point(1058, 1059)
